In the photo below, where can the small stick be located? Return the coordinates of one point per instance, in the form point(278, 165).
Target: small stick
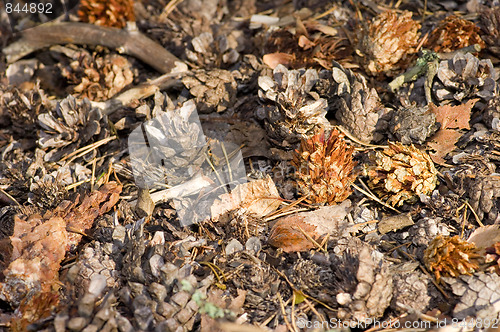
point(132, 43)
point(375, 198)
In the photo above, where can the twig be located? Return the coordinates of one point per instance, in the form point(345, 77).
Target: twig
point(309, 238)
point(132, 43)
point(10, 197)
point(348, 134)
point(283, 312)
point(375, 198)
point(475, 214)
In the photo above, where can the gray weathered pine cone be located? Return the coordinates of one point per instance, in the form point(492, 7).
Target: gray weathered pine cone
point(465, 77)
point(212, 51)
point(484, 194)
point(92, 311)
point(358, 282)
point(70, 126)
point(491, 115)
point(413, 289)
point(176, 145)
point(213, 90)
point(291, 109)
point(23, 108)
point(478, 296)
point(413, 124)
point(358, 107)
point(261, 283)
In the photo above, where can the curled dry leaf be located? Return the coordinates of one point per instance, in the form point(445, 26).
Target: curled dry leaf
point(39, 243)
point(452, 119)
point(485, 237)
point(288, 232)
point(259, 197)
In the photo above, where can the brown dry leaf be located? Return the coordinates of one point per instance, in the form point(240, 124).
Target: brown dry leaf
point(452, 119)
point(485, 237)
point(288, 232)
point(39, 243)
point(278, 58)
point(259, 197)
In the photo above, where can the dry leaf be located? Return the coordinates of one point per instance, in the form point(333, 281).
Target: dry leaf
point(39, 243)
point(452, 119)
point(277, 58)
point(288, 232)
point(485, 237)
point(259, 197)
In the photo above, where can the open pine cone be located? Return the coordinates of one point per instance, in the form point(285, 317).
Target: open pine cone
point(291, 109)
point(72, 125)
point(357, 106)
point(450, 257)
point(464, 77)
point(110, 13)
point(97, 77)
point(490, 21)
point(453, 33)
point(324, 168)
point(402, 173)
point(390, 40)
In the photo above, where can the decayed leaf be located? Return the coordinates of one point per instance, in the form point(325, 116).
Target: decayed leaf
point(288, 232)
point(277, 58)
point(452, 119)
point(259, 197)
point(39, 243)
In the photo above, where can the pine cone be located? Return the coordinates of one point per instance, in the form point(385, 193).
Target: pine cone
point(493, 257)
point(97, 77)
point(292, 111)
point(358, 107)
point(413, 124)
point(390, 40)
point(413, 289)
point(110, 13)
point(425, 230)
point(484, 194)
point(213, 90)
point(464, 77)
point(402, 173)
point(479, 294)
point(442, 206)
point(324, 168)
point(491, 115)
point(451, 256)
point(453, 33)
point(72, 125)
point(221, 51)
point(23, 108)
point(175, 149)
point(490, 21)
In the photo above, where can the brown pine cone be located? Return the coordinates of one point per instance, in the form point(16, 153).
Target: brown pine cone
point(324, 168)
point(110, 13)
point(213, 89)
point(215, 51)
point(401, 173)
point(484, 194)
point(453, 33)
point(97, 77)
point(451, 256)
point(292, 110)
point(389, 42)
point(465, 77)
point(490, 21)
point(478, 293)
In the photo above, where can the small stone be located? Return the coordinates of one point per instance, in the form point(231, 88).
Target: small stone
point(344, 298)
point(184, 315)
point(144, 317)
point(60, 322)
point(233, 246)
point(166, 309)
point(123, 324)
point(253, 244)
point(155, 263)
